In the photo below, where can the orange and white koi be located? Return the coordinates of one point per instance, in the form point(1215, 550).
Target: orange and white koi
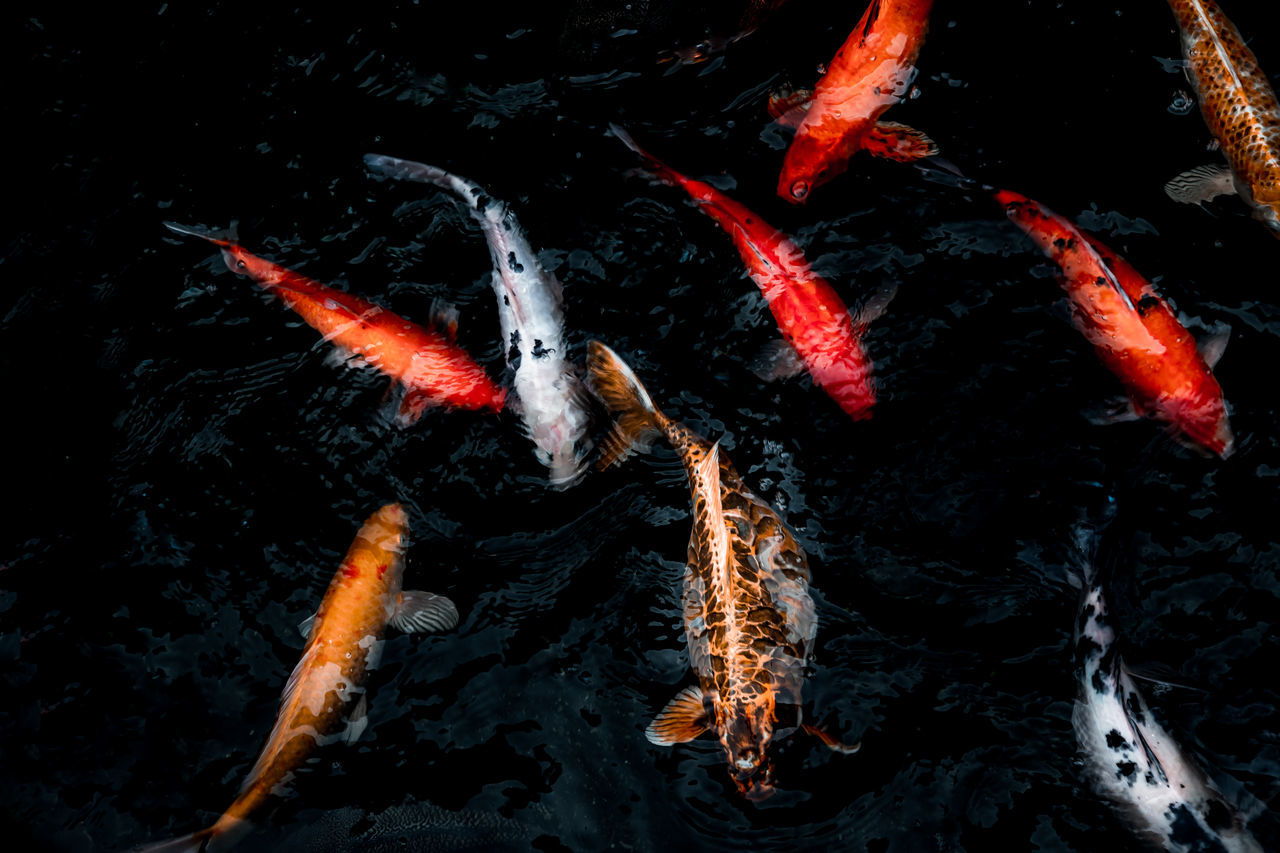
point(1240, 108)
point(872, 71)
point(324, 699)
point(1133, 329)
point(430, 365)
point(819, 334)
point(749, 621)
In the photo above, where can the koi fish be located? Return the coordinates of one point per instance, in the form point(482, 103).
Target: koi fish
point(550, 396)
point(430, 365)
point(752, 17)
point(871, 72)
point(1133, 330)
point(324, 699)
point(1240, 108)
point(819, 334)
point(749, 620)
point(1131, 759)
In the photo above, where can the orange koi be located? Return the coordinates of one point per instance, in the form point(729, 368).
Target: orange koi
point(324, 699)
point(871, 72)
point(819, 334)
point(749, 620)
point(1133, 329)
point(1240, 108)
point(430, 365)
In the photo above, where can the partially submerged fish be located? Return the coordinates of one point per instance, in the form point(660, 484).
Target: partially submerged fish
point(749, 620)
point(1133, 330)
point(430, 365)
point(871, 72)
point(549, 393)
point(1131, 760)
point(1240, 108)
point(819, 334)
point(324, 699)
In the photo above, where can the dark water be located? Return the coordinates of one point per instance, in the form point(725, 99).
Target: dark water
point(186, 470)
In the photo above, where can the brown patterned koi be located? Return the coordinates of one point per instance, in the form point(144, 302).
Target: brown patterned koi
point(749, 620)
point(1240, 108)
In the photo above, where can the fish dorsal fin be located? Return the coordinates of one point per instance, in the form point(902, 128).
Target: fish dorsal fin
point(1224, 55)
point(684, 718)
point(1198, 185)
point(872, 14)
point(1129, 696)
point(707, 485)
point(1092, 248)
point(423, 612)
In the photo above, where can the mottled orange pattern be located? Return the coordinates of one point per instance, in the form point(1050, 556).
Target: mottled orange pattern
point(1237, 102)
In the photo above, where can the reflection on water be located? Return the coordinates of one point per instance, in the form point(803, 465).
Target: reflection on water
point(201, 465)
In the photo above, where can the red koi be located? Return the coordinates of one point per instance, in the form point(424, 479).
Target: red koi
point(871, 72)
point(1132, 328)
point(429, 364)
point(814, 321)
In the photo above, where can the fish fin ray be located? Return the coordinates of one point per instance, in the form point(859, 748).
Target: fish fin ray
point(423, 612)
point(1212, 347)
point(777, 360)
point(1198, 185)
point(891, 140)
point(684, 718)
point(874, 306)
point(638, 420)
point(788, 109)
point(305, 626)
point(1116, 411)
point(444, 315)
point(413, 404)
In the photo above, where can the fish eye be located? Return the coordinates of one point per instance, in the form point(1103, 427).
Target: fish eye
point(799, 189)
point(240, 264)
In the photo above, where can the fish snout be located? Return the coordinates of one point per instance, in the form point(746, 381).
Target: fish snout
point(799, 190)
point(753, 776)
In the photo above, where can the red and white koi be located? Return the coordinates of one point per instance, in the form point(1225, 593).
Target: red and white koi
point(324, 699)
point(1240, 108)
point(1133, 329)
point(818, 331)
point(872, 71)
point(430, 365)
point(549, 393)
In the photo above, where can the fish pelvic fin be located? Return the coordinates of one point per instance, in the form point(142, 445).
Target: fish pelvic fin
point(638, 420)
point(893, 141)
point(830, 741)
point(684, 718)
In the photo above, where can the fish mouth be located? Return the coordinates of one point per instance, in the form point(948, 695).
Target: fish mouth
point(755, 790)
point(800, 190)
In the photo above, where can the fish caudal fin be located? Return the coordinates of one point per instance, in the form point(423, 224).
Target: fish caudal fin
point(637, 419)
point(423, 612)
point(1201, 184)
point(221, 836)
point(893, 141)
point(684, 718)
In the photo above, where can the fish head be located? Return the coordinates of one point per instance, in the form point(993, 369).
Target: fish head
point(807, 166)
point(241, 262)
point(559, 448)
point(746, 744)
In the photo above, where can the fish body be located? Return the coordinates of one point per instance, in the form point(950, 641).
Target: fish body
point(1238, 105)
point(1133, 330)
point(1131, 759)
point(429, 364)
point(324, 697)
point(549, 393)
point(749, 620)
point(872, 71)
point(814, 321)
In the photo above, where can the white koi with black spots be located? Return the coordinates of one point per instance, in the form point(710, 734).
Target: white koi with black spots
point(550, 395)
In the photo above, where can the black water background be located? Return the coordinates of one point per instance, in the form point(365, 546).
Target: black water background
point(186, 469)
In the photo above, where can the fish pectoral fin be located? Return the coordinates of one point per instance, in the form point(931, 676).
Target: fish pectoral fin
point(893, 141)
point(777, 360)
point(789, 107)
point(357, 720)
point(1118, 410)
point(684, 718)
point(1201, 184)
point(1212, 347)
point(304, 627)
point(831, 741)
point(418, 611)
point(444, 315)
point(412, 405)
point(874, 306)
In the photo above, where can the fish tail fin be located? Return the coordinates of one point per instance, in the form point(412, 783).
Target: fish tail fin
point(638, 419)
point(652, 164)
point(224, 833)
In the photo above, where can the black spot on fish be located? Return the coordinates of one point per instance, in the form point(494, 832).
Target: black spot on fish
point(1099, 683)
point(513, 354)
point(1126, 768)
point(1060, 243)
point(1101, 281)
point(1218, 816)
point(1146, 303)
point(506, 301)
point(538, 350)
point(1186, 832)
point(514, 265)
point(1115, 740)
